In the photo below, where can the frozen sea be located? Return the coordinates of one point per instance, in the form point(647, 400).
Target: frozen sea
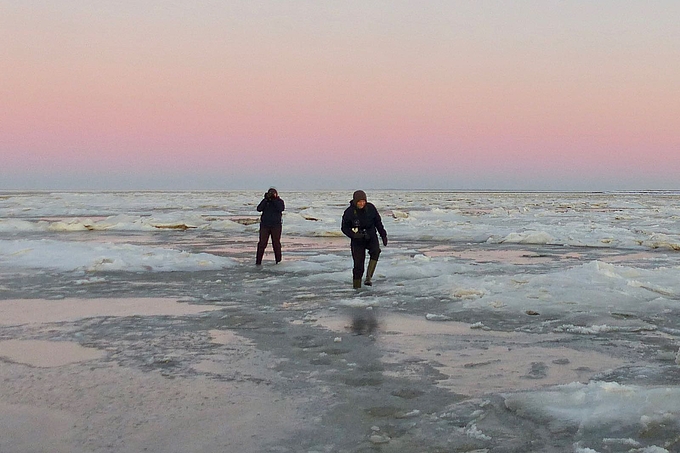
point(536, 321)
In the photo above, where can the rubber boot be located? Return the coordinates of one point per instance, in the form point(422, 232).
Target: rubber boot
point(356, 283)
point(369, 273)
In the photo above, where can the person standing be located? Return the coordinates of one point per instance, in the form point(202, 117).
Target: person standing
point(361, 223)
point(271, 224)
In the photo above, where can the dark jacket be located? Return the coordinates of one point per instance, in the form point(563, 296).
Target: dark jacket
point(367, 221)
point(271, 209)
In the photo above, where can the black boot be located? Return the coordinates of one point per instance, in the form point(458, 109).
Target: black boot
point(369, 273)
point(356, 283)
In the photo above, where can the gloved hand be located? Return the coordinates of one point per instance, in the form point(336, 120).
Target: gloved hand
point(384, 239)
point(267, 196)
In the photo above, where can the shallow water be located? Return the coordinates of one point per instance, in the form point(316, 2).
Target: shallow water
point(45, 354)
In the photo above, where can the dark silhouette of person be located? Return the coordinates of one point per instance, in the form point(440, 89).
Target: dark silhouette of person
point(361, 223)
point(271, 224)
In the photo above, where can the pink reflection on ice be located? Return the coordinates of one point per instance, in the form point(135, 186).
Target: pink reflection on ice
point(476, 362)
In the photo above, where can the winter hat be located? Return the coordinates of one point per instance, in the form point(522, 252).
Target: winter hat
point(359, 195)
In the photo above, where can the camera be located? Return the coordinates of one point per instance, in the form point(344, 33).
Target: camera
point(359, 233)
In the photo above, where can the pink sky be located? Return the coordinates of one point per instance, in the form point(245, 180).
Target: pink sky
point(309, 95)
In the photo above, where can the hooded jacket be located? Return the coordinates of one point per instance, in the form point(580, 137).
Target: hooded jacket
point(367, 220)
point(271, 210)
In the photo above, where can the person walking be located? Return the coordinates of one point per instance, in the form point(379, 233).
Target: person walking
point(271, 224)
point(361, 223)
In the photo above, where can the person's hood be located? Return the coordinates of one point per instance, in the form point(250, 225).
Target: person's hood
point(359, 195)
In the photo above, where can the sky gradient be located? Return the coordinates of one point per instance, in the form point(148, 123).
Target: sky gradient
point(516, 95)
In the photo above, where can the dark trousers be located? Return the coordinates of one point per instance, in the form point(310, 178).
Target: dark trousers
point(265, 232)
point(359, 247)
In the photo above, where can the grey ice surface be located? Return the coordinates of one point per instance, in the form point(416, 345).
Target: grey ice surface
point(553, 328)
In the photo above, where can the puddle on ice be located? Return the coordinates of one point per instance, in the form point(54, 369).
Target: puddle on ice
point(473, 371)
point(519, 257)
point(241, 356)
point(484, 256)
point(476, 362)
point(38, 311)
point(409, 325)
point(629, 257)
point(228, 337)
point(18, 425)
point(126, 410)
point(47, 354)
